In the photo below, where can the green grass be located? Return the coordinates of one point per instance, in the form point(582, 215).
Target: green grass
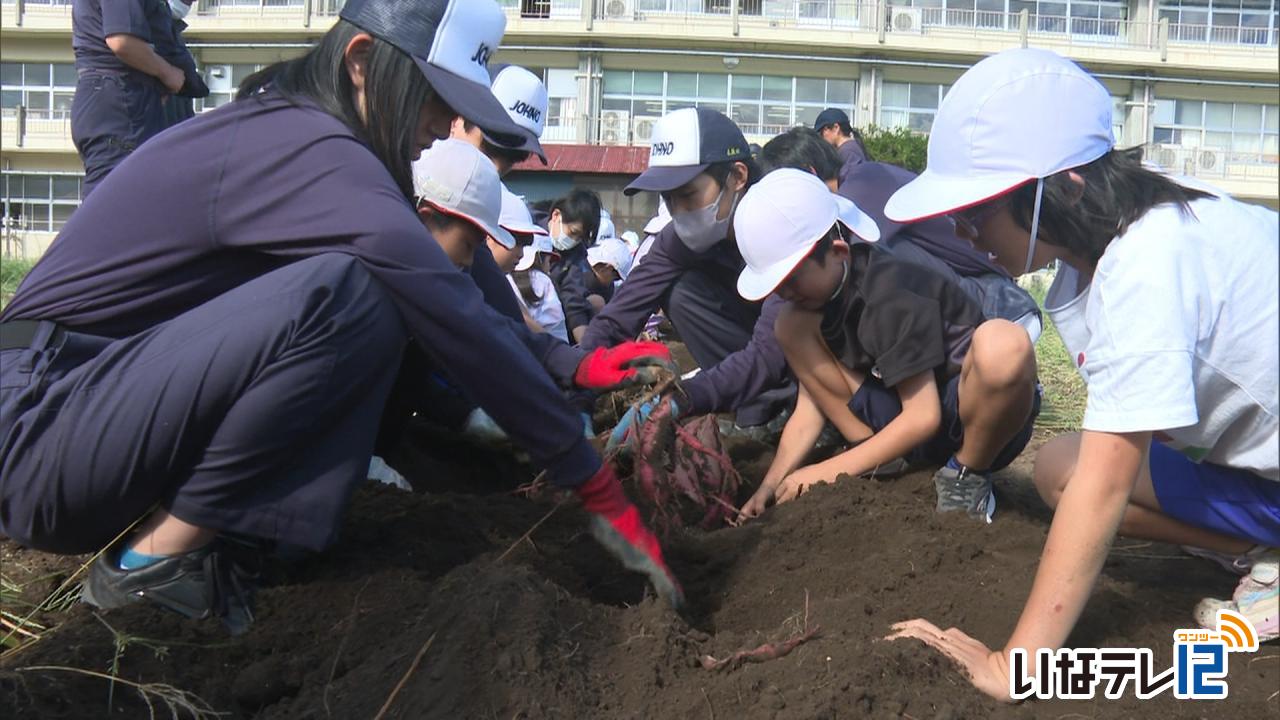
point(1064, 391)
point(12, 270)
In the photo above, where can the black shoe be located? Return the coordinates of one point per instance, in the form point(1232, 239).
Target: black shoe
point(199, 584)
point(768, 432)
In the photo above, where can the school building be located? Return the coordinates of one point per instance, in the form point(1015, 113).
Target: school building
point(1196, 80)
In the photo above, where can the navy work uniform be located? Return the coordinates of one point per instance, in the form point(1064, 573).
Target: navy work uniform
point(116, 108)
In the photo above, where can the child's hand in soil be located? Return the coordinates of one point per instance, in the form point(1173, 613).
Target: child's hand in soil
point(797, 482)
point(987, 669)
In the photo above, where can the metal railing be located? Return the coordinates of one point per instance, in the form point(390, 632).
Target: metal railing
point(1211, 163)
point(42, 129)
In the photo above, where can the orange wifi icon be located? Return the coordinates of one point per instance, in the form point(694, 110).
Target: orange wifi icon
point(1236, 632)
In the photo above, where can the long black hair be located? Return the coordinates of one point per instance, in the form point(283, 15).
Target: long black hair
point(395, 91)
point(1118, 190)
point(524, 280)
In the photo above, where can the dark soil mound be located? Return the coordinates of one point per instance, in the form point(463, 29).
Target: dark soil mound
point(556, 630)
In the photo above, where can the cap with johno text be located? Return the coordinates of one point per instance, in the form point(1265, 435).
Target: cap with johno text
point(457, 179)
point(450, 41)
point(515, 216)
point(524, 97)
point(684, 143)
point(1016, 116)
point(830, 116)
point(779, 221)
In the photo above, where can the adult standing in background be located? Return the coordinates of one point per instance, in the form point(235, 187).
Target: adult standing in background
point(833, 125)
point(122, 80)
point(173, 48)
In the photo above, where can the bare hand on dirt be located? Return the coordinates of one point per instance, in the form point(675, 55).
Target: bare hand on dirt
point(986, 668)
point(799, 481)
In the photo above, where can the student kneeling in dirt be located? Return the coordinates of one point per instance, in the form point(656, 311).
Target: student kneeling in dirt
point(898, 358)
point(701, 165)
point(1165, 297)
point(208, 345)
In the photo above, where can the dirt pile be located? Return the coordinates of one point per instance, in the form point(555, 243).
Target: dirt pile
point(555, 630)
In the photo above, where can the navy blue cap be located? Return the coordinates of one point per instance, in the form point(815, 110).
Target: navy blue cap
point(684, 143)
point(450, 41)
point(830, 116)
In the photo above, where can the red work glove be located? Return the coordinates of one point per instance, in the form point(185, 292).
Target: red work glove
point(616, 524)
point(629, 363)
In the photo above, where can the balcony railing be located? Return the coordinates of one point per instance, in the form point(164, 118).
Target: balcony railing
point(28, 129)
point(883, 19)
point(1216, 163)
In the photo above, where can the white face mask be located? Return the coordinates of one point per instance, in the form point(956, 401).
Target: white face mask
point(700, 229)
point(178, 9)
point(561, 240)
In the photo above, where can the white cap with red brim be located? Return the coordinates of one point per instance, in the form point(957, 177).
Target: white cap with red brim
point(779, 221)
point(457, 179)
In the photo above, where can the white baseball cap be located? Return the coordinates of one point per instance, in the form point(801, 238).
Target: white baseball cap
point(659, 221)
point(779, 221)
point(612, 252)
point(450, 41)
point(515, 216)
point(684, 143)
point(606, 229)
point(540, 244)
point(524, 97)
point(457, 179)
point(1016, 116)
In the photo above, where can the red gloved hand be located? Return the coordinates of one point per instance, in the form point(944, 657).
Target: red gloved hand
point(628, 363)
point(616, 524)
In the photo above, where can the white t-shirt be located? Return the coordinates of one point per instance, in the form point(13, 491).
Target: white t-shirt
point(1179, 333)
point(547, 312)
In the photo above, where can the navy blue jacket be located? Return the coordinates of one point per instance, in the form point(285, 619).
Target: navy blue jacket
point(739, 377)
point(263, 183)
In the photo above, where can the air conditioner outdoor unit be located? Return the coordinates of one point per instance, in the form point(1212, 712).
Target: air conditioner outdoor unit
point(642, 129)
point(1166, 157)
point(1208, 159)
point(907, 20)
point(219, 78)
point(615, 127)
point(619, 9)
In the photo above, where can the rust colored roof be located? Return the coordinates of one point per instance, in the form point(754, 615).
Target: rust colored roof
point(598, 159)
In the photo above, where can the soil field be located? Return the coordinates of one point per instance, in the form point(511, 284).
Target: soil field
point(506, 625)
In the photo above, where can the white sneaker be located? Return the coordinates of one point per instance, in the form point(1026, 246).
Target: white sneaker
point(1236, 564)
point(1257, 597)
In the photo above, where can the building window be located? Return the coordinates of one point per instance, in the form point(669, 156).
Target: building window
point(1245, 22)
point(44, 89)
point(1078, 17)
point(39, 202)
point(1246, 132)
point(910, 105)
point(761, 105)
point(223, 81)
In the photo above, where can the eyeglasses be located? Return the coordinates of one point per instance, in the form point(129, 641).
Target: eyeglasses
point(969, 220)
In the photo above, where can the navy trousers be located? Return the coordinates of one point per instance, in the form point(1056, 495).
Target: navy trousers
point(715, 322)
point(111, 115)
point(254, 413)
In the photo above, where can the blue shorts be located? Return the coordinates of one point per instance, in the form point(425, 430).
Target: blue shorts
point(877, 406)
point(1226, 500)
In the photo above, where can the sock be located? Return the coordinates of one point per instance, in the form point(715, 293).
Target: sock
point(955, 464)
point(131, 559)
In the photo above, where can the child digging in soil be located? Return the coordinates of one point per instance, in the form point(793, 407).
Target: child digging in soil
point(1165, 295)
point(896, 356)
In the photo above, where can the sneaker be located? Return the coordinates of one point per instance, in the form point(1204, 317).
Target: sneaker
point(965, 490)
point(199, 584)
point(767, 433)
point(1235, 564)
point(1257, 597)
